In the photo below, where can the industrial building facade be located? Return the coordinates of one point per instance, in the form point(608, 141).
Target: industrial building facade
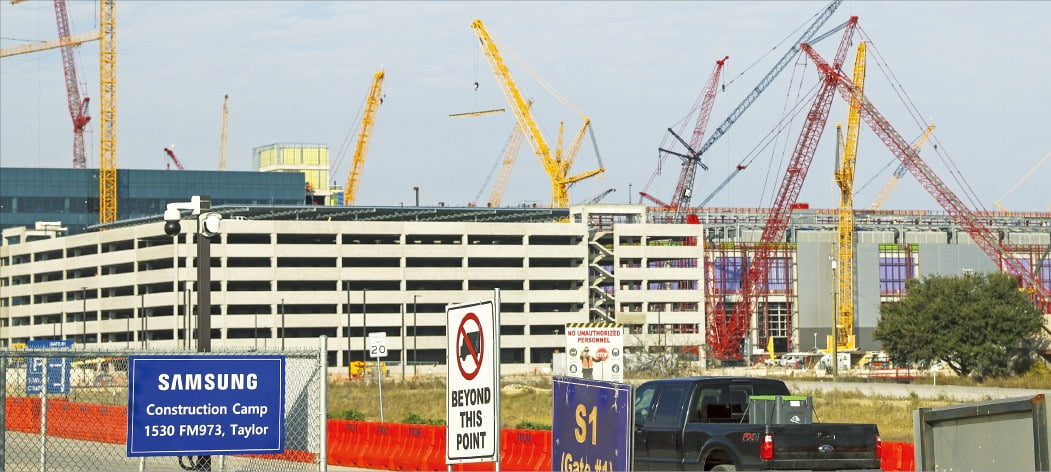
point(71, 196)
point(283, 276)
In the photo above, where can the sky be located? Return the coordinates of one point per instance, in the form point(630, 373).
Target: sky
point(299, 72)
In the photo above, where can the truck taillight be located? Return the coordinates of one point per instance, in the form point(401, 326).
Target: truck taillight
point(879, 446)
point(766, 450)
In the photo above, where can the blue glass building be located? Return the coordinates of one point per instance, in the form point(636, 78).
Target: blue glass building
point(71, 196)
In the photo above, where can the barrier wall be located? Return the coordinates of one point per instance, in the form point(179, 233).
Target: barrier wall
point(385, 446)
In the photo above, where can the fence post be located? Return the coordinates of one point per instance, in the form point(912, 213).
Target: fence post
point(3, 410)
point(323, 359)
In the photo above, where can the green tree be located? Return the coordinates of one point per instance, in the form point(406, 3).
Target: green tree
point(980, 324)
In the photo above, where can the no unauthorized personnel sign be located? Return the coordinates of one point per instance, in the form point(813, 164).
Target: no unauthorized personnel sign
point(473, 397)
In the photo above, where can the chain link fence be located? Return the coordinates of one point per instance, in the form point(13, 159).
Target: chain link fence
point(67, 410)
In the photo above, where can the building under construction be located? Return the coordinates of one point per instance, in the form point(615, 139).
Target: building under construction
point(287, 274)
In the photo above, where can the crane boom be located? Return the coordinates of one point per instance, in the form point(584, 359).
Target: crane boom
point(372, 104)
point(223, 126)
point(63, 41)
point(725, 341)
point(556, 167)
point(845, 256)
point(752, 96)
point(78, 109)
point(899, 172)
point(984, 237)
point(511, 150)
point(108, 112)
point(684, 186)
point(171, 155)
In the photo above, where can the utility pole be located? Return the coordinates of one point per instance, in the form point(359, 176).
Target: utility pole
point(84, 315)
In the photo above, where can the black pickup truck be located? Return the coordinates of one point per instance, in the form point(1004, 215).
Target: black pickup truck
point(704, 423)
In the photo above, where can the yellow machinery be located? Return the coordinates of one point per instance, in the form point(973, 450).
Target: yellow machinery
point(367, 120)
point(844, 332)
point(108, 112)
point(222, 133)
point(72, 40)
point(1020, 181)
point(556, 166)
point(899, 172)
point(514, 144)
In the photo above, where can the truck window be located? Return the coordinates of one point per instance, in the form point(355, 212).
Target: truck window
point(644, 403)
point(669, 405)
point(706, 397)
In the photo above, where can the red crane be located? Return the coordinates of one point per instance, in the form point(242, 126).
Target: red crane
point(171, 155)
point(726, 333)
point(984, 237)
point(691, 160)
point(78, 109)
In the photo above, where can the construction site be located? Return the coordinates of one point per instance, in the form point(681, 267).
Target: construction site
point(300, 255)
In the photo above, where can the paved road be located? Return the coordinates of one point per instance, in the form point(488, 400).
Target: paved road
point(954, 392)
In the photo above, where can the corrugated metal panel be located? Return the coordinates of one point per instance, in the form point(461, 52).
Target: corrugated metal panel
point(953, 259)
point(814, 286)
point(811, 236)
point(751, 235)
point(1029, 238)
point(875, 237)
point(925, 237)
point(868, 297)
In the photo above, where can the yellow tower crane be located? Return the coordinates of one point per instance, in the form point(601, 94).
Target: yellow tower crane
point(108, 112)
point(557, 164)
point(223, 126)
point(372, 104)
point(845, 255)
point(514, 145)
point(899, 172)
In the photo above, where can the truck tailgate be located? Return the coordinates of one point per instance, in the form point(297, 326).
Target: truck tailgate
point(824, 446)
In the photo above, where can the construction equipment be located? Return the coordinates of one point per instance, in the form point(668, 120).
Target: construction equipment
point(477, 113)
point(727, 333)
point(1020, 181)
point(372, 103)
point(976, 228)
point(598, 198)
point(507, 162)
point(78, 109)
point(899, 172)
point(807, 36)
point(691, 160)
point(843, 335)
point(168, 151)
point(224, 125)
point(556, 166)
point(107, 112)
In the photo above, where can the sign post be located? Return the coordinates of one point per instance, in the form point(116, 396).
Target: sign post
point(197, 405)
point(378, 349)
point(591, 425)
point(473, 396)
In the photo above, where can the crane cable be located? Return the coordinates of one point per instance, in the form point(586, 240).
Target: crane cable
point(939, 148)
point(783, 162)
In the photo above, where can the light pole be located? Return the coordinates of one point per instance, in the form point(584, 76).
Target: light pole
point(84, 315)
point(417, 191)
point(415, 328)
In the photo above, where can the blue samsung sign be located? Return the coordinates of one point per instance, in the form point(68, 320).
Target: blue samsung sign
point(590, 425)
point(206, 405)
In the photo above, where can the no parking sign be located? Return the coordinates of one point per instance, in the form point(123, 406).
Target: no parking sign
point(473, 395)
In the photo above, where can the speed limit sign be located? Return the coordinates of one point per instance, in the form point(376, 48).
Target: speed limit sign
point(378, 344)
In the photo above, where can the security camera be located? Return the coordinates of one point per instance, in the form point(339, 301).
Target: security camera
point(171, 222)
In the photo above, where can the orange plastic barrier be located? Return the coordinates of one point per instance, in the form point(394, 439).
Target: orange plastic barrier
point(897, 456)
point(23, 415)
point(380, 437)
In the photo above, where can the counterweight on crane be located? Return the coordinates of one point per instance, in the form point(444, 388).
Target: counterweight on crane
point(899, 172)
point(556, 165)
point(727, 333)
point(843, 335)
point(963, 216)
point(372, 104)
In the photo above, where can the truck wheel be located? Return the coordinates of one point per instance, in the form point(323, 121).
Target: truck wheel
point(724, 468)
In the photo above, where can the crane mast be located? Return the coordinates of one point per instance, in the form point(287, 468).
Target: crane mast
point(108, 112)
point(846, 254)
point(514, 145)
point(726, 339)
point(372, 104)
point(899, 172)
point(556, 166)
point(981, 234)
point(224, 125)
